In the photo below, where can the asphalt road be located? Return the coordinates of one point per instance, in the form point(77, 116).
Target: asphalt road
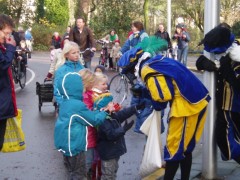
point(40, 160)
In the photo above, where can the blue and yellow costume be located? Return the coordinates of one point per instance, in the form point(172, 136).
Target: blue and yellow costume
point(169, 81)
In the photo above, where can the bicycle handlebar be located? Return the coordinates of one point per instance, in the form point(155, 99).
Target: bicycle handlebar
point(88, 49)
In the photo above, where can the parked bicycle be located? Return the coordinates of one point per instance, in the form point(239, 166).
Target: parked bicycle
point(119, 86)
point(104, 52)
point(19, 70)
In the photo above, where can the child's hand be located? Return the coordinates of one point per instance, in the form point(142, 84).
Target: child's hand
point(109, 108)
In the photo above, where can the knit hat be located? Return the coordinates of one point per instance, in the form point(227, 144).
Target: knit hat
point(102, 101)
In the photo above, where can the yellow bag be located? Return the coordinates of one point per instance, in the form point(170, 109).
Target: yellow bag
point(14, 136)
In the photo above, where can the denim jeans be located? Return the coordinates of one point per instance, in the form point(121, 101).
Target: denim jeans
point(88, 64)
point(182, 55)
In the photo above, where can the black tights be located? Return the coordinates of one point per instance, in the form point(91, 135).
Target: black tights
point(3, 123)
point(172, 166)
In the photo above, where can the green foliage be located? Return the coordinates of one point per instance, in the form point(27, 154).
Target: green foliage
point(17, 9)
point(4, 7)
point(42, 34)
point(236, 29)
point(196, 36)
point(40, 10)
point(56, 12)
point(116, 15)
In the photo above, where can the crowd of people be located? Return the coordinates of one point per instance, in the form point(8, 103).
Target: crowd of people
point(90, 127)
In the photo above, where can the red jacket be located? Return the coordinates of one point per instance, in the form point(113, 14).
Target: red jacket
point(92, 131)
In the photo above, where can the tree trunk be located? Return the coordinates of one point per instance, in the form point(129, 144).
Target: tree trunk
point(146, 15)
point(71, 6)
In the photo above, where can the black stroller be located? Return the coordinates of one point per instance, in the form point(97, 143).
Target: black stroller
point(45, 93)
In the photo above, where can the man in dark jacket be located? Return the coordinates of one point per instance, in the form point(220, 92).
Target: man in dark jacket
point(8, 106)
point(162, 33)
point(83, 36)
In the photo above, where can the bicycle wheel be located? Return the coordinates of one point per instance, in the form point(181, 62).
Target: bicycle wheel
point(22, 74)
point(14, 73)
point(119, 88)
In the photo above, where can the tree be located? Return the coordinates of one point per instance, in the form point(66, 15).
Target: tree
point(40, 10)
point(193, 11)
point(57, 12)
point(146, 14)
point(17, 9)
point(115, 14)
point(230, 11)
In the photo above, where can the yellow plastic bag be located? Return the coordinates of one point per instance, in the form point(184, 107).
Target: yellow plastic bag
point(14, 136)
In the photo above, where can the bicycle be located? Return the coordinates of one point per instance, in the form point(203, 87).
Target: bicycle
point(118, 86)
point(104, 52)
point(19, 70)
point(81, 55)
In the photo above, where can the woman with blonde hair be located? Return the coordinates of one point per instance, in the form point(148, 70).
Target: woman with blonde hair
point(69, 63)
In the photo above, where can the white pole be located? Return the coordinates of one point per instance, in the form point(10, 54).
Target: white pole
point(209, 165)
point(169, 17)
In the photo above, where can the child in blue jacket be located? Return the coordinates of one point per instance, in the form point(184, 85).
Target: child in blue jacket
point(70, 133)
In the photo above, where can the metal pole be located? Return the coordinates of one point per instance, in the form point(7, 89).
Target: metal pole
point(209, 165)
point(169, 17)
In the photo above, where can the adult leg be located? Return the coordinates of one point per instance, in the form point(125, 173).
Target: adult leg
point(110, 61)
point(3, 123)
point(221, 134)
point(171, 169)
point(184, 55)
point(179, 55)
point(186, 165)
point(88, 64)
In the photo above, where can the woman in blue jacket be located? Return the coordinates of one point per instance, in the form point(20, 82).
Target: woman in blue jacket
point(8, 106)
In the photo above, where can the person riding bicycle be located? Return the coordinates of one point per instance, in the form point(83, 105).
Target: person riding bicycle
point(105, 47)
point(111, 37)
point(22, 55)
point(29, 39)
point(83, 36)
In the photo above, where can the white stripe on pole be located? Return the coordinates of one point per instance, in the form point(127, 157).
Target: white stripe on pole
point(209, 164)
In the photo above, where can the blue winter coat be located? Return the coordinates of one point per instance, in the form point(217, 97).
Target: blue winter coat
point(111, 142)
point(70, 134)
point(68, 66)
point(8, 106)
point(133, 40)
